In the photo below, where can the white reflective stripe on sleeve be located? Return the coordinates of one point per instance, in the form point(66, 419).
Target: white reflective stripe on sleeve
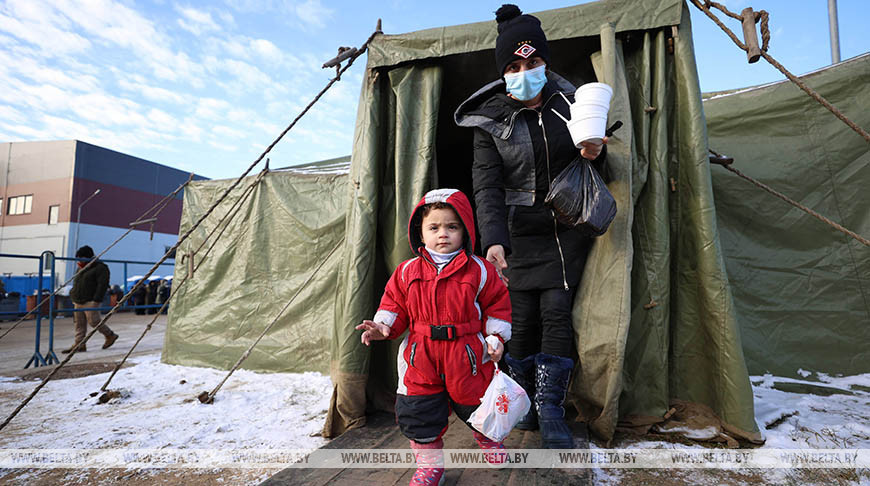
point(402, 367)
point(387, 317)
point(480, 264)
point(500, 327)
point(405, 267)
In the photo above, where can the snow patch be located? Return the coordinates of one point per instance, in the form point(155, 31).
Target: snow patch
point(287, 410)
point(156, 410)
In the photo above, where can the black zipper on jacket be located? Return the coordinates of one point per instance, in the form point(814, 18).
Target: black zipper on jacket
point(472, 358)
point(549, 180)
point(559, 245)
point(549, 183)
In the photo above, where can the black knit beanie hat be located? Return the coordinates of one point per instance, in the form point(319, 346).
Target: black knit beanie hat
point(85, 252)
point(519, 37)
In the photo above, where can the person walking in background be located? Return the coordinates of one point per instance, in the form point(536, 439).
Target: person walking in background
point(163, 293)
point(152, 288)
point(139, 297)
point(89, 288)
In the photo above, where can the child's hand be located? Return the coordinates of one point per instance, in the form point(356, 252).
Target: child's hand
point(494, 352)
point(373, 331)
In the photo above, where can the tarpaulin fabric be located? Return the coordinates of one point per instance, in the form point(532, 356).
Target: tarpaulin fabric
point(654, 316)
point(261, 258)
point(801, 288)
point(562, 23)
point(392, 166)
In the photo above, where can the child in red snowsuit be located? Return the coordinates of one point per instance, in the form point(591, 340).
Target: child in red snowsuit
point(449, 299)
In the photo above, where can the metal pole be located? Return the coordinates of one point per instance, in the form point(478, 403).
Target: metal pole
point(38, 303)
point(835, 31)
point(50, 357)
point(79, 218)
point(37, 358)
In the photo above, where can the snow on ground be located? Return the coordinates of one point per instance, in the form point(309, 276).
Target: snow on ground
point(830, 413)
point(158, 409)
point(835, 415)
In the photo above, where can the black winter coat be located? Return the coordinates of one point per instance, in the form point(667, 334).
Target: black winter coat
point(518, 152)
point(91, 284)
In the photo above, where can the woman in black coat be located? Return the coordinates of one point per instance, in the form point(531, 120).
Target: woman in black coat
point(520, 146)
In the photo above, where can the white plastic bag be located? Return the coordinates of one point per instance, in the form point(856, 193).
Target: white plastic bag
point(502, 406)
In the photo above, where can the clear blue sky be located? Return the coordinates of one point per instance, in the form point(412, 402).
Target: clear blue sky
point(206, 86)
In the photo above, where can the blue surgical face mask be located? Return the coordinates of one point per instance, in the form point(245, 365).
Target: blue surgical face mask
point(525, 85)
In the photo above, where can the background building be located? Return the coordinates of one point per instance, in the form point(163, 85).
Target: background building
point(43, 185)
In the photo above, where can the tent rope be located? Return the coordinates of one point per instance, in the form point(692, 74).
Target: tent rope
point(96, 328)
point(705, 7)
point(724, 161)
point(228, 217)
point(184, 237)
point(161, 204)
point(231, 214)
point(759, 15)
point(208, 397)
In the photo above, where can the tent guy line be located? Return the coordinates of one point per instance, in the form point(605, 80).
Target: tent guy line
point(140, 220)
point(228, 217)
point(181, 239)
point(773, 62)
point(208, 397)
point(726, 162)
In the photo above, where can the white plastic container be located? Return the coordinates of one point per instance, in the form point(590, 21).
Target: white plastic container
point(589, 113)
point(588, 128)
point(585, 109)
point(594, 93)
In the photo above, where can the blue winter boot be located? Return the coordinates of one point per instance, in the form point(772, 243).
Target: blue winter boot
point(523, 371)
point(552, 374)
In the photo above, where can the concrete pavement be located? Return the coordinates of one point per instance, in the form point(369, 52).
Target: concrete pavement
point(18, 346)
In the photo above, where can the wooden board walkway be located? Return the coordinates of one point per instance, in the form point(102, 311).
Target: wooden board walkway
point(381, 432)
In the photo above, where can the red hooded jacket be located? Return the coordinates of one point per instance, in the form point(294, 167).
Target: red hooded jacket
point(465, 300)
point(467, 293)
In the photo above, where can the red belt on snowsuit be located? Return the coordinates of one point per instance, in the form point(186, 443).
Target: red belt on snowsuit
point(446, 332)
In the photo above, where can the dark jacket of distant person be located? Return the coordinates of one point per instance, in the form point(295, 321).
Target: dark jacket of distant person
point(91, 283)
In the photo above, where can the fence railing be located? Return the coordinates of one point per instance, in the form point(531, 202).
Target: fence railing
point(48, 259)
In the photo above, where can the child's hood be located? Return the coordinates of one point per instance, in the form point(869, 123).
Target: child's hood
point(457, 200)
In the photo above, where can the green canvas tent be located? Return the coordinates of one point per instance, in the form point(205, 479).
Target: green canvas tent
point(265, 254)
point(654, 319)
point(801, 289)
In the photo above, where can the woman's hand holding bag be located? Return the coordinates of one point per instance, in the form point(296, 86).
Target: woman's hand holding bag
point(581, 199)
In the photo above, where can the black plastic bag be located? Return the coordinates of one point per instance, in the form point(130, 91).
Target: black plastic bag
point(580, 198)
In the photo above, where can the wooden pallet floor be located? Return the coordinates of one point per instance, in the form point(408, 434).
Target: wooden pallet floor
point(381, 432)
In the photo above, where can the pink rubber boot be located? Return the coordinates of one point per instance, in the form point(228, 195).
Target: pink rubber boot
point(430, 463)
point(492, 450)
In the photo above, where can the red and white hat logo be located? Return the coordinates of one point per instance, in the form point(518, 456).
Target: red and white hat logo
point(525, 51)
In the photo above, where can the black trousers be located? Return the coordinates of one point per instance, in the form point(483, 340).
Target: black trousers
point(423, 418)
point(542, 322)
